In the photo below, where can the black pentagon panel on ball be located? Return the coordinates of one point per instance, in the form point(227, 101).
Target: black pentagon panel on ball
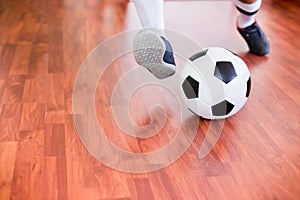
point(221, 109)
point(225, 71)
point(248, 87)
point(198, 55)
point(190, 87)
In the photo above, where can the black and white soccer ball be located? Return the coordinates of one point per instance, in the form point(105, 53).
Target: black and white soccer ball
point(215, 83)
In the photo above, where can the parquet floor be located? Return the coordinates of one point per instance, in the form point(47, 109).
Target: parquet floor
point(42, 45)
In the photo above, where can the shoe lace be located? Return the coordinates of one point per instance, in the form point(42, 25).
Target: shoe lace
point(255, 31)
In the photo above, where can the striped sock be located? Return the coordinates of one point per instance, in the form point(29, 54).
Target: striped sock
point(247, 12)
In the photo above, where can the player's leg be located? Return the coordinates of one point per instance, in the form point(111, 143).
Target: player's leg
point(151, 48)
point(256, 39)
point(151, 14)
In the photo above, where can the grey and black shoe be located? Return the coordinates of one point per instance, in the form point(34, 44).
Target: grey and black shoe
point(155, 53)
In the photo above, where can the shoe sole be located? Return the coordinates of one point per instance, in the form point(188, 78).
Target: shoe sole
point(149, 50)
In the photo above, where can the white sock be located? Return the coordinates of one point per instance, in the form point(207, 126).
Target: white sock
point(247, 12)
point(151, 14)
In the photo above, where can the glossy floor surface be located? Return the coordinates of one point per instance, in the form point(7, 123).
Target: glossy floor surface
point(42, 46)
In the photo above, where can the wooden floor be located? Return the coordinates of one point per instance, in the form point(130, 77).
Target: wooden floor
point(42, 45)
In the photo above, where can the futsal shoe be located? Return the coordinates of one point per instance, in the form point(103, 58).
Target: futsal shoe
point(256, 39)
point(155, 53)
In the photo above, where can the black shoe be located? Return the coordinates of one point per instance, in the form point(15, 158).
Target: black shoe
point(256, 39)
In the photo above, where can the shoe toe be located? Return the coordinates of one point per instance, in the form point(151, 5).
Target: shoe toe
point(260, 48)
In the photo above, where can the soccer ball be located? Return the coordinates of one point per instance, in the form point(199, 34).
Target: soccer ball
point(215, 83)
